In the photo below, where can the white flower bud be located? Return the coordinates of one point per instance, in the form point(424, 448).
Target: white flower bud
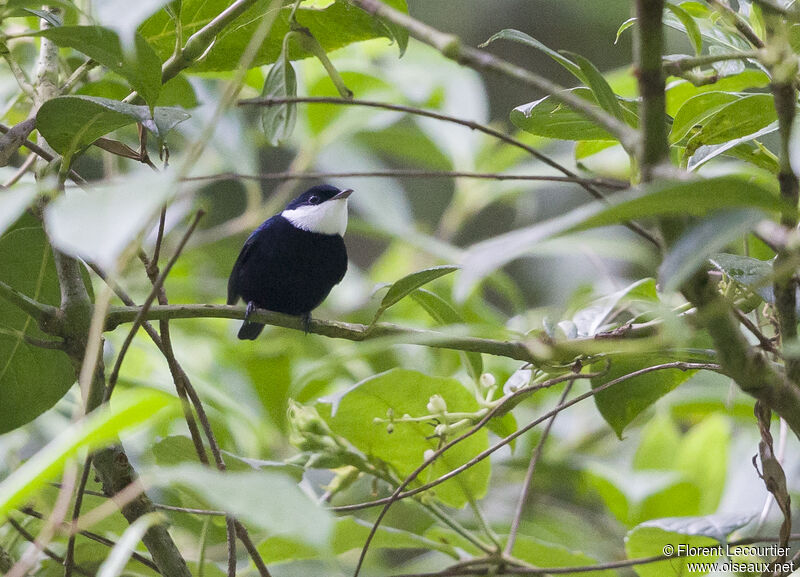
point(488, 380)
point(427, 455)
point(436, 405)
point(440, 430)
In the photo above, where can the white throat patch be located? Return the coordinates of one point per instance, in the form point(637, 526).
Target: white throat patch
point(329, 217)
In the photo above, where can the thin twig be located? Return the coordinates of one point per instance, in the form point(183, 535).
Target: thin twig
point(137, 321)
point(468, 123)
point(607, 182)
point(47, 551)
point(24, 167)
point(95, 537)
point(526, 484)
point(43, 154)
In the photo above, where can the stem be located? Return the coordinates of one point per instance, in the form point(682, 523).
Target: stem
point(526, 484)
point(403, 173)
point(676, 67)
point(333, 329)
point(654, 143)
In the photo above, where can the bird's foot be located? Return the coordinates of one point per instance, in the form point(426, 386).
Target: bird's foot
point(306, 322)
point(251, 308)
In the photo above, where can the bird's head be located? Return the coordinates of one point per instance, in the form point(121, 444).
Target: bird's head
point(321, 209)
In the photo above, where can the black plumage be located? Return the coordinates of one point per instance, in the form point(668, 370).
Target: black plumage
point(288, 269)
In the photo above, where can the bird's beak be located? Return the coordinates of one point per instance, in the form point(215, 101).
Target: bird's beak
point(344, 194)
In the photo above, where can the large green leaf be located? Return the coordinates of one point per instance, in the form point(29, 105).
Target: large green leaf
point(621, 403)
point(127, 410)
point(695, 198)
point(100, 224)
point(409, 283)
point(141, 67)
point(741, 117)
point(69, 123)
point(268, 499)
point(599, 86)
point(548, 117)
point(32, 379)
point(334, 26)
point(350, 533)
point(697, 110)
point(352, 415)
point(675, 536)
point(522, 38)
point(680, 91)
point(702, 240)
point(13, 202)
point(544, 554)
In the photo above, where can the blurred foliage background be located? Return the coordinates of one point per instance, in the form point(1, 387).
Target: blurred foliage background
point(685, 454)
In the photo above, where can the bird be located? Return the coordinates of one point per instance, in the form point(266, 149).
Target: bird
point(291, 262)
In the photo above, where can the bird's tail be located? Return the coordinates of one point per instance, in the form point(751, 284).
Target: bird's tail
point(250, 331)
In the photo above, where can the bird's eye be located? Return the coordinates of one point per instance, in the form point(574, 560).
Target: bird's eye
point(313, 200)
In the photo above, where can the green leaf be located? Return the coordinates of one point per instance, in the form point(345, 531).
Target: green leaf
point(409, 283)
point(69, 123)
point(32, 378)
point(350, 533)
point(278, 121)
point(522, 38)
point(635, 496)
point(549, 118)
point(748, 271)
point(652, 537)
point(352, 415)
point(706, 153)
point(128, 410)
point(544, 554)
point(623, 27)
point(691, 27)
point(702, 240)
point(100, 224)
point(600, 88)
point(141, 68)
point(696, 198)
point(13, 203)
point(245, 495)
point(744, 116)
point(444, 313)
point(621, 403)
point(660, 442)
point(696, 110)
point(703, 459)
point(680, 91)
point(334, 26)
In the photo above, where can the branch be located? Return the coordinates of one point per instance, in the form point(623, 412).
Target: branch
point(451, 47)
point(677, 67)
point(654, 150)
point(44, 314)
point(607, 182)
point(526, 484)
point(43, 154)
point(735, 19)
point(334, 329)
point(783, 70)
point(200, 41)
point(46, 550)
point(468, 123)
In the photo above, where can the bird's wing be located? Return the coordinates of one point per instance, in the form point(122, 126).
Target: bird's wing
point(233, 280)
